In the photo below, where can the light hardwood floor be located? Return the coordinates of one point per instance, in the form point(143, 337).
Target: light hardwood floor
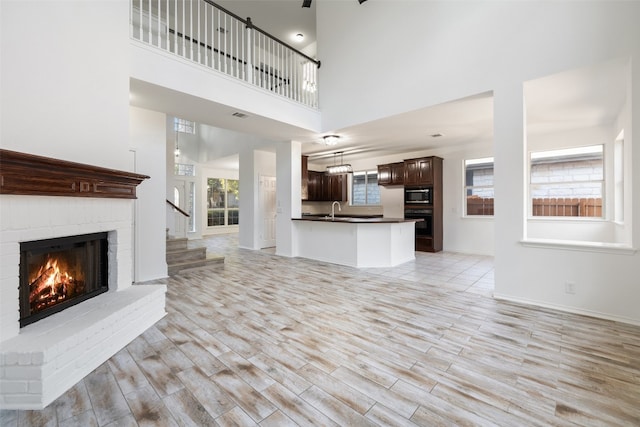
point(274, 341)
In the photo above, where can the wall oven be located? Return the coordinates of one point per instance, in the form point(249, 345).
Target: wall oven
point(424, 228)
point(417, 196)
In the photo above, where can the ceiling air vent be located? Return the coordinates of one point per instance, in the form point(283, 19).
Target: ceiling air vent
point(240, 115)
point(436, 135)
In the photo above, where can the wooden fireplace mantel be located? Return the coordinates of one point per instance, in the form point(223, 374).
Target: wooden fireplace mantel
point(27, 174)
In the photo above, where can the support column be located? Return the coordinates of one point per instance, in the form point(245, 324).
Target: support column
point(248, 200)
point(510, 184)
point(632, 149)
point(288, 197)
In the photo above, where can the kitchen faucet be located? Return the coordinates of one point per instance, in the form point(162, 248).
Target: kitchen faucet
point(333, 211)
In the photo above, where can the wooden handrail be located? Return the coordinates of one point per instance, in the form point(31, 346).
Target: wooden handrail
point(249, 24)
point(178, 209)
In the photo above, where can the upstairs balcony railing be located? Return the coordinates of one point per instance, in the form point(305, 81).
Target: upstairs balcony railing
point(207, 34)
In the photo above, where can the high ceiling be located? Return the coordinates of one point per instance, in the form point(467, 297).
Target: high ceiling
point(580, 98)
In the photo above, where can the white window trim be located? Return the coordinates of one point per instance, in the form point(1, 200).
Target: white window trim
point(603, 218)
point(350, 188)
point(465, 187)
point(226, 208)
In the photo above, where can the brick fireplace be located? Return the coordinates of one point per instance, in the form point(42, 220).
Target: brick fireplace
point(43, 359)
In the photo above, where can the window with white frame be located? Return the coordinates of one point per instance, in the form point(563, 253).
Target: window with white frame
point(478, 187)
point(183, 169)
point(223, 202)
point(184, 126)
point(365, 189)
point(567, 182)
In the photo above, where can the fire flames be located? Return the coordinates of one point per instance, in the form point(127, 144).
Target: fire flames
point(52, 284)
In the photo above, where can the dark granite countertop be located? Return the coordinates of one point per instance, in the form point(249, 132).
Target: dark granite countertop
point(354, 219)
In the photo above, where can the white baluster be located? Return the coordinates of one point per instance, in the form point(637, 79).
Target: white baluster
point(206, 34)
point(175, 27)
point(158, 29)
point(191, 56)
point(248, 71)
point(199, 37)
point(184, 47)
point(218, 36)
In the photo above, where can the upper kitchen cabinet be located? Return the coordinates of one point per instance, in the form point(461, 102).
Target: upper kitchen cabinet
point(314, 182)
point(326, 188)
point(421, 171)
point(391, 174)
point(334, 187)
point(304, 188)
point(338, 184)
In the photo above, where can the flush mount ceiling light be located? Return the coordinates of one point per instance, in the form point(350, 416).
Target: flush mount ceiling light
point(330, 139)
point(340, 169)
point(298, 37)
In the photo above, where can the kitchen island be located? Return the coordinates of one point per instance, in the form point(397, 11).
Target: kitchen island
point(356, 241)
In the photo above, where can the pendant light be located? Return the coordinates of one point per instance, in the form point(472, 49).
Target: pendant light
point(176, 152)
point(340, 169)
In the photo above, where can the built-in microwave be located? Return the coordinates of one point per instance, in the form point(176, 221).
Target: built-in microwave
point(420, 195)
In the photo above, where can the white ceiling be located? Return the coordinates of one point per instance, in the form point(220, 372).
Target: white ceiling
point(580, 98)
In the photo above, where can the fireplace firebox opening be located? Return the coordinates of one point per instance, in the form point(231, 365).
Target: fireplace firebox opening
point(58, 273)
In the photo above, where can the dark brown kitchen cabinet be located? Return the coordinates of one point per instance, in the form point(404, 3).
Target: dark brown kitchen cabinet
point(391, 174)
point(304, 187)
point(334, 187)
point(426, 173)
point(314, 182)
point(384, 174)
point(326, 188)
point(338, 187)
point(420, 171)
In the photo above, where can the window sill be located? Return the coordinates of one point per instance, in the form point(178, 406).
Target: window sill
point(482, 217)
point(566, 219)
point(575, 245)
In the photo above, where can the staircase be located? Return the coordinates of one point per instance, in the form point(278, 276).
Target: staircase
point(181, 258)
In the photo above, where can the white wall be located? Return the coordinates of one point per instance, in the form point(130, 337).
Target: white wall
point(182, 77)
point(474, 235)
point(65, 80)
point(442, 50)
point(470, 47)
point(253, 164)
point(148, 141)
point(65, 94)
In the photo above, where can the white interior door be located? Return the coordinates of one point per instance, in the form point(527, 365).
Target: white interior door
point(268, 211)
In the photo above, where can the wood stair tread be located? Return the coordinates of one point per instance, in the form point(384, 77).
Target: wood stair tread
point(181, 258)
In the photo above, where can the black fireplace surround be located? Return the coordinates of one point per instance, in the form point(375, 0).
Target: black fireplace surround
point(58, 273)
